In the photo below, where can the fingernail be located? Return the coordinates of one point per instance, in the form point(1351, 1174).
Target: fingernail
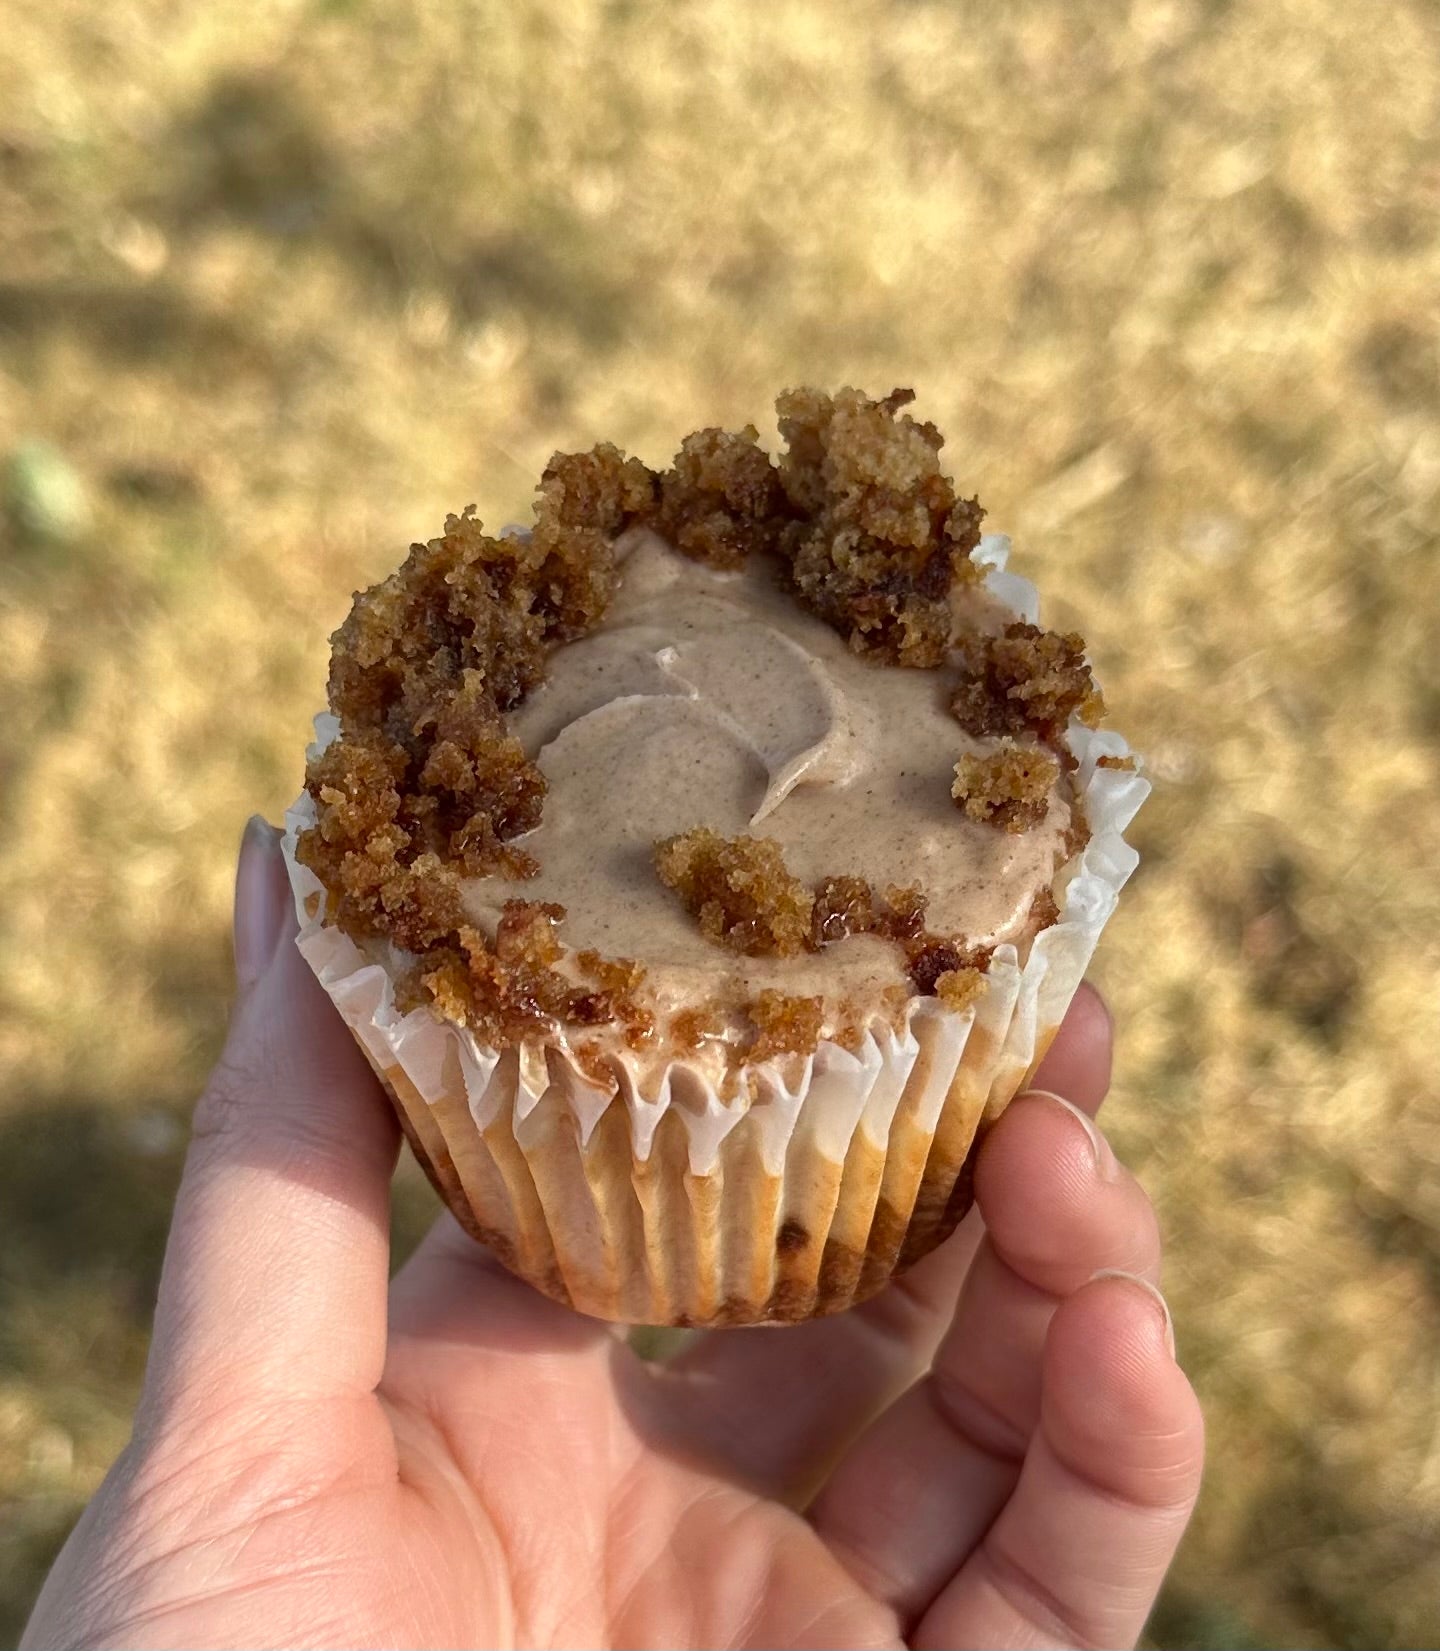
point(1105, 1010)
point(1167, 1323)
point(1107, 1166)
point(261, 891)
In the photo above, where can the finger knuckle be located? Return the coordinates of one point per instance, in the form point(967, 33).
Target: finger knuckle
point(241, 1077)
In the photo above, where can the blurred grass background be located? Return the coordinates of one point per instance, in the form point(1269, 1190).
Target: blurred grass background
point(282, 284)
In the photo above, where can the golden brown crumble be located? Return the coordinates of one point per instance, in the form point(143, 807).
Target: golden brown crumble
point(1077, 835)
point(1043, 909)
point(842, 905)
point(879, 538)
point(720, 500)
point(934, 957)
point(745, 896)
point(1008, 787)
point(508, 988)
point(614, 974)
point(958, 989)
point(1026, 681)
point(739, 890)
point(784, 1025)
point(872, 532)
point(691, 1027)
point(425, 785)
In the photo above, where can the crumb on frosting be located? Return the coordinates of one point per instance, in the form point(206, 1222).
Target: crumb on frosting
point(720, 499)
point(784, 1025)
point(739, 890)
point(425, 785)
point(842, 906)
point(1008, 788)
point(1043, 910)
point(745, 896)
point(879, 537)
point(507, 988)
point(1025, 681)
point(959, 989)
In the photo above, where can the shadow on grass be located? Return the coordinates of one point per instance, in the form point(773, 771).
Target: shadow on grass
point(1183, 1621)
point(85, 1193)
point(86, 1190)
point(250, 153)
point(131, 324)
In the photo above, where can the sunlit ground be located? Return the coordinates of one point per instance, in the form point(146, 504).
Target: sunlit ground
point(283, 283)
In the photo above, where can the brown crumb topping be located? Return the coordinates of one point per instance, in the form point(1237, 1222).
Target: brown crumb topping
point(720, 501)
point(425, 785)
point(508, 988)
point(745, 896)
point(1026, 681)
point(842, 905)
point(1043, 909)
point(1008, 787)
point(784, 1025)
point(880, 537)
point(691, 1027)
point(739, 890)
point(934, 957)
point(958, 989)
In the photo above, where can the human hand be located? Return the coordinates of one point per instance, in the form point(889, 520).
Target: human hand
point(469, 1464)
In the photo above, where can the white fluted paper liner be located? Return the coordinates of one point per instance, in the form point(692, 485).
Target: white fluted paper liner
point(665, 1203)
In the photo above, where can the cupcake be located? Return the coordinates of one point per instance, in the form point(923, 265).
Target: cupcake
point(703, 868)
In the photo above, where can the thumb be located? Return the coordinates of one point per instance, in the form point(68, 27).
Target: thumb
point(276, 1268)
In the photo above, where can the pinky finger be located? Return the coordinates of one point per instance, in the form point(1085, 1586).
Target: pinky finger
point(1078, 1554)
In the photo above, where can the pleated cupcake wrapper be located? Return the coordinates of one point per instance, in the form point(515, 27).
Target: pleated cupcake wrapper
point(665, 1203)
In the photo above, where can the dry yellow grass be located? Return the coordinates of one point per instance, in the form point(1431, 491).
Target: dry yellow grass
point(284, 283)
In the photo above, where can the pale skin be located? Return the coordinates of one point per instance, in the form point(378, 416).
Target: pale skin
point(1000, 1450)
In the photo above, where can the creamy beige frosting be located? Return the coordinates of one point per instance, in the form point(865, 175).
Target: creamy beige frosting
point(713, 699)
